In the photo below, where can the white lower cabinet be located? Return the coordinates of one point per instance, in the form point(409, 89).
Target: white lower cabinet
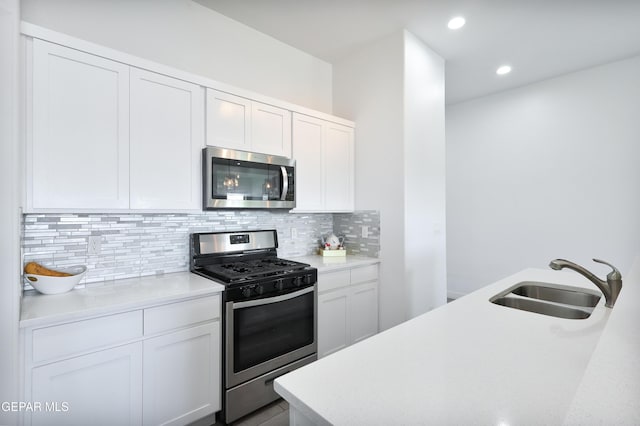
point(152, 366)
point(364, 311)
point(333, 324)
point(347, 307)
point(182, 375)
point(101, 388)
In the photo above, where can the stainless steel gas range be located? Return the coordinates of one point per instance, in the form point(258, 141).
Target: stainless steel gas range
point(270, 313)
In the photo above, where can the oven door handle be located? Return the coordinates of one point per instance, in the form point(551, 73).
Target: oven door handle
point(270, 300)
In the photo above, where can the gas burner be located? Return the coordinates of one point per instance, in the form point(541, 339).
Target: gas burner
point(247, 270)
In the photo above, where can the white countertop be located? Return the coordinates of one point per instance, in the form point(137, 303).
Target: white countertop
point(112, 297)
point(328, 264)
point(609, 393)
point(123, 295)
point(469, 362)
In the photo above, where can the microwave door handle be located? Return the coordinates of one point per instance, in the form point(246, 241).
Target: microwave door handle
point(285, 182)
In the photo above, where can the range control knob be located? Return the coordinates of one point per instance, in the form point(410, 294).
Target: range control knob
point(297, 281)
point(308, 279)
point(246, 291)
point(278, 284)
point(259, 290)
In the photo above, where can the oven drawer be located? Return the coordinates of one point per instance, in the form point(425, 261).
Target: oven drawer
point(181, 314)
point(257, 392)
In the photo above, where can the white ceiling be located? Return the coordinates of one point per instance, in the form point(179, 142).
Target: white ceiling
point(538, 38)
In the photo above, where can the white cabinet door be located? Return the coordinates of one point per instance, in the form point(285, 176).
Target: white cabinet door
point(182, 375)
point(363, 311)
point(333, 321)
point(270, 130)
point(347, 307)
point(79, 153)
point(239, 123)
point(102, 388)
point(308, 134)
point(338, 168)
point(167, 136)
point(228, 121)
point(324, 165)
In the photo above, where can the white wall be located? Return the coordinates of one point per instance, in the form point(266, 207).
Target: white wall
point(191, 37)
point(10, 286)
point(424, 174)
point(394, 90)
point(545, 171)
point(368, 88)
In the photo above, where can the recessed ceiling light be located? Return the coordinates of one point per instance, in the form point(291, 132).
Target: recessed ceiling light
point(505, 69)
point(456, 23)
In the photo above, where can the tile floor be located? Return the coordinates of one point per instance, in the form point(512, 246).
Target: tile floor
point(274, 414)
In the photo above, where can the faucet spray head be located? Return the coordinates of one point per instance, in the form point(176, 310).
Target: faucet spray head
point(554, 264)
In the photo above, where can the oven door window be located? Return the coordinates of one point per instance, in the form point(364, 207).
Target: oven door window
point(264, 332)
point(245, 180)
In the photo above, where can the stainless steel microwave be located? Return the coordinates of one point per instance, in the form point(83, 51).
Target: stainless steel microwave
point(247, 180)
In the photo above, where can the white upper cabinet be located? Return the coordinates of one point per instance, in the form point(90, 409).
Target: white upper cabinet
point(270, 130)
point(338, 167)
point(109, 132)
point(324, 154)
point(228, 121)
point(167, 136)
point(308, 134)
point(107, 136)
point(79, 152)
point(239, 123)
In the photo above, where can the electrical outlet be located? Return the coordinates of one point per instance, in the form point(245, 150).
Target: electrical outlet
point(294, 233)
point(95, 244)
point(365, 231)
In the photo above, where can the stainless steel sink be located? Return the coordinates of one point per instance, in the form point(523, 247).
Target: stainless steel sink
point(549, 299)
point(557, 293)
point(542, 308)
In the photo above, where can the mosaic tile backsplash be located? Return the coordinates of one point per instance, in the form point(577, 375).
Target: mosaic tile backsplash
point(134, 245)
point(350, 226)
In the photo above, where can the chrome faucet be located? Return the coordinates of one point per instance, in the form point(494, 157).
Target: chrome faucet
point(611, 288)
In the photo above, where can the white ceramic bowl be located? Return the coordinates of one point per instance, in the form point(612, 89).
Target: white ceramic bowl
point(55, 285)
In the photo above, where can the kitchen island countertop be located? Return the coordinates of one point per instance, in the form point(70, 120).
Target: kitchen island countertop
point(474, 362)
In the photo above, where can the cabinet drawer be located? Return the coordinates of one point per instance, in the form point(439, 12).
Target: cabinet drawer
point(181, 314)
point(68, 339)
point(364, 274)
point(332, 280)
